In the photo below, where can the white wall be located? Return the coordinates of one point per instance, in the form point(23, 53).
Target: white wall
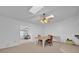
point(64, 29)
point(9, 31)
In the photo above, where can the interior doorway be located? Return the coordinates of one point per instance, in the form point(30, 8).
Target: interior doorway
point(24, 33)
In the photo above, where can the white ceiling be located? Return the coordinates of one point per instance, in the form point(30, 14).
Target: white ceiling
point(22, 13)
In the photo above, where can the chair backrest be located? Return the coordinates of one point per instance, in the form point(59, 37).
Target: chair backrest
point(51, 37)
point(39, 37)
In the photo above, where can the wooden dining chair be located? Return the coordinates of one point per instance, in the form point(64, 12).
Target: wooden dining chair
point(49, 40)
point(39, 39)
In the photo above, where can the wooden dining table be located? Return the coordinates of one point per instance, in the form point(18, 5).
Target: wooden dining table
point(43, 38)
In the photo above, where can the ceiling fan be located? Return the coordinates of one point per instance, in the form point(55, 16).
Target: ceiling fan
point(45, 19)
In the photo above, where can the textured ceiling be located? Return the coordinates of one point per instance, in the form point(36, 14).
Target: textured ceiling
point(22, 13)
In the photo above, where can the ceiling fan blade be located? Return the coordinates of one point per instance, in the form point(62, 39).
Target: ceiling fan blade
point(50, 17)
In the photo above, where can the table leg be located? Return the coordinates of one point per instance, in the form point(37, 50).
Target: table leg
point(43, 44)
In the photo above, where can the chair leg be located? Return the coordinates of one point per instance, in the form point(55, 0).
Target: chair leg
point(50, 44)
point(40, 42)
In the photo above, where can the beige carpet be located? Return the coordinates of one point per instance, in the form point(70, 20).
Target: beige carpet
point(33, 48)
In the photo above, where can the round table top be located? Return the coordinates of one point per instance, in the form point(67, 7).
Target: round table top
point(42, 37)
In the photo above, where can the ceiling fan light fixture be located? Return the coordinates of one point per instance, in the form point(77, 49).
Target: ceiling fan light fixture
point(46, 21)
point(42, 21)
